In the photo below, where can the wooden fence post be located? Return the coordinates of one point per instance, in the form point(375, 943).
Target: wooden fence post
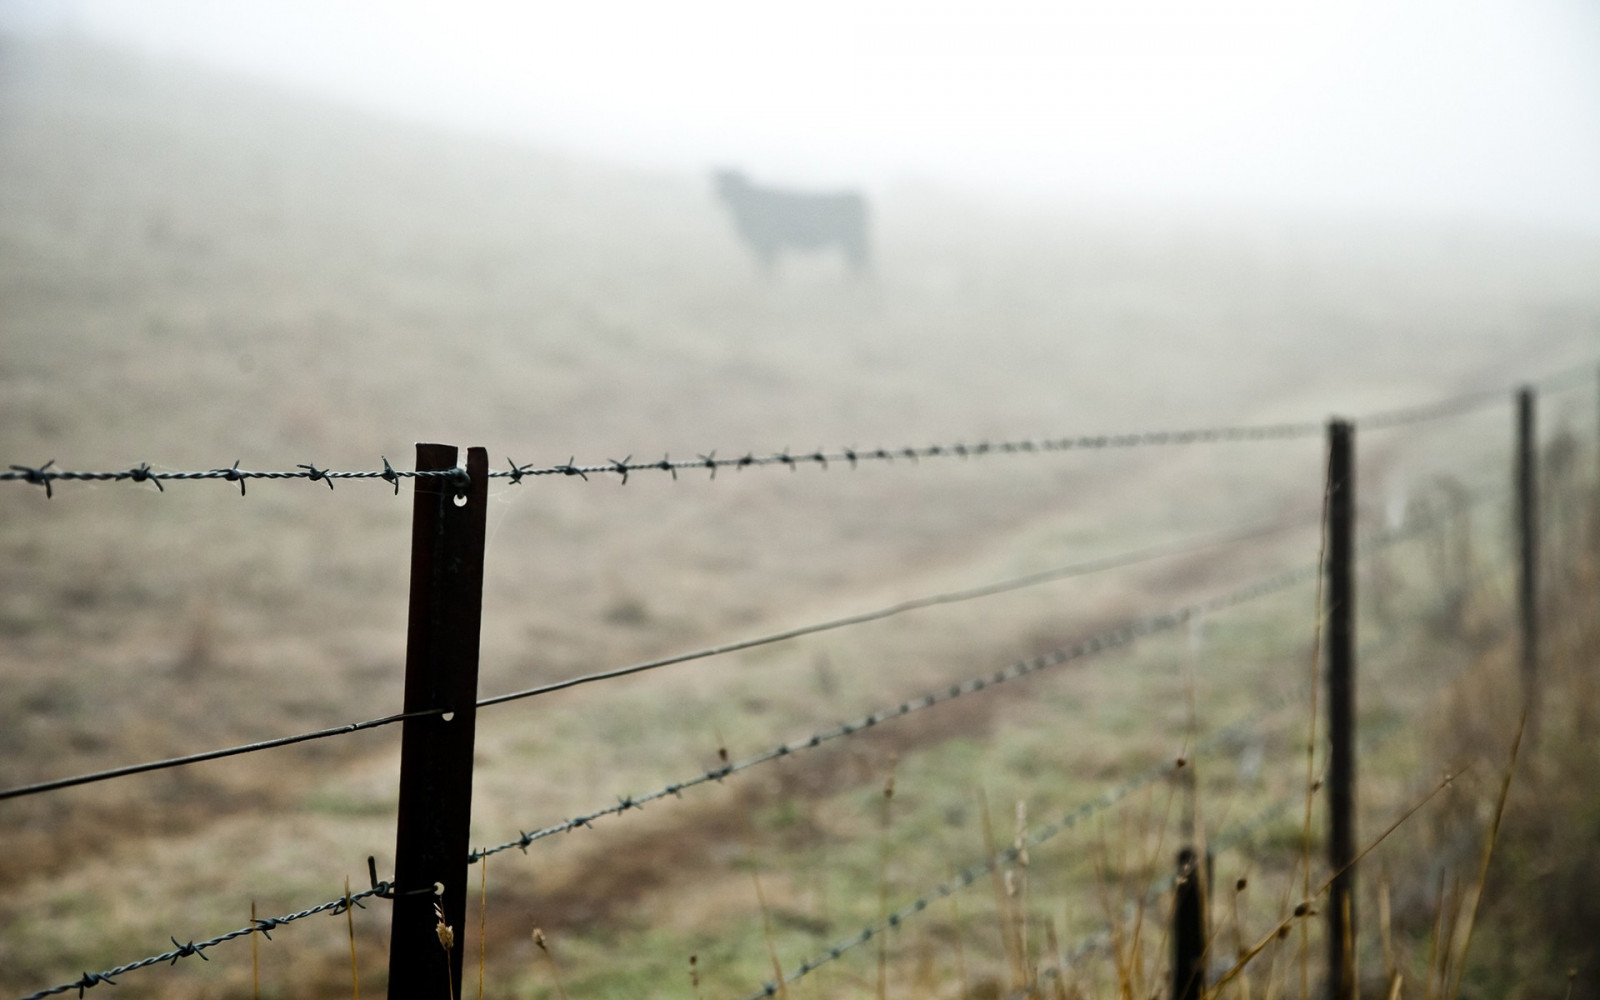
point(447, 543)
point(1188, 929)
point(1341, 629)
point(1528, 555)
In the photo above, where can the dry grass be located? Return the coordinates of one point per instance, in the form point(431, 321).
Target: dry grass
point(195, 270)
point(1530, 905)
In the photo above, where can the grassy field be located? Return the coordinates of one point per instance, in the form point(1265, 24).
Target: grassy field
point(196, 269)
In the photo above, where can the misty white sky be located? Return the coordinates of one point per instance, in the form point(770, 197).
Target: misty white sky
point(1481, 108)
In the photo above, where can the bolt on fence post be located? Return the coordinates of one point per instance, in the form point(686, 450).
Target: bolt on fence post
point(1341, 630)
point(447, 543)
point(1528, 555)
point(1188, 929)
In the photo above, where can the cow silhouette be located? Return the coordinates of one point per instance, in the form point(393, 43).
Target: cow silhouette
point(770, 220)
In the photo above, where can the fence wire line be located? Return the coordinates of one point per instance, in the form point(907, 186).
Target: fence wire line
point(45, 475)
point(263, 926)
point(1113, 638)
point(1560, 381)
point(1230, 536)
point(1434, 411)
point(1033, 579)
point(195, 758)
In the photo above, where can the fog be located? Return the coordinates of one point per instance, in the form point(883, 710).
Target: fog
point(1486, 110)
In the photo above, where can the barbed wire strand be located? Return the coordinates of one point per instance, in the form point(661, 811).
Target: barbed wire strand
point(1435, 411)
point(195, 758)
point(263, 926)
point(386, 890)
point(45, 475)
point(1121, 560)
point(1110, 639)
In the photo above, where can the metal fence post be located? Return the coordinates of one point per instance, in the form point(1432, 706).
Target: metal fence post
point(1528, 555)
point(447, 543)
point(1341, 626)
point(1188, 930)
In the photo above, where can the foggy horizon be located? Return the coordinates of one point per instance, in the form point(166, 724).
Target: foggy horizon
point(1488, 112)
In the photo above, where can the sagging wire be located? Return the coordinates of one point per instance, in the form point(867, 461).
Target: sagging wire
point(1113, 638)
point(1119, 561)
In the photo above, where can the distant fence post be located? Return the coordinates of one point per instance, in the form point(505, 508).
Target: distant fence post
point(1341, 626)
point(447, 543)
point(1188, 929)
point(1528, 554)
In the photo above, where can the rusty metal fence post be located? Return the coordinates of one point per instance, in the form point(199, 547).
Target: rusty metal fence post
point(1341, 632)
point(447, 546)
point(1528, 555)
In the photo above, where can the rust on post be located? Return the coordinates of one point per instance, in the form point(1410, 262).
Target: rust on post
point(447, 547)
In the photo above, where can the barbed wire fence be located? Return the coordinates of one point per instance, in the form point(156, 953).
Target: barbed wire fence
point(454, 480)
point(46, 474)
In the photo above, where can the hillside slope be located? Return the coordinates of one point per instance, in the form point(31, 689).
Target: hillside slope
point(196, 269)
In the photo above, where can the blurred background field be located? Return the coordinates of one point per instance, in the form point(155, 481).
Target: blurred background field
point(197, 268)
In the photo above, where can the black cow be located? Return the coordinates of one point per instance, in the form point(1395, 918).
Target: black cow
point(771, 220)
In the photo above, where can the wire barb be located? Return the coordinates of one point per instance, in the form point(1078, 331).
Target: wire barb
point(38, 477)
point(233, 475)
point(141, 473)
point(315, 474)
